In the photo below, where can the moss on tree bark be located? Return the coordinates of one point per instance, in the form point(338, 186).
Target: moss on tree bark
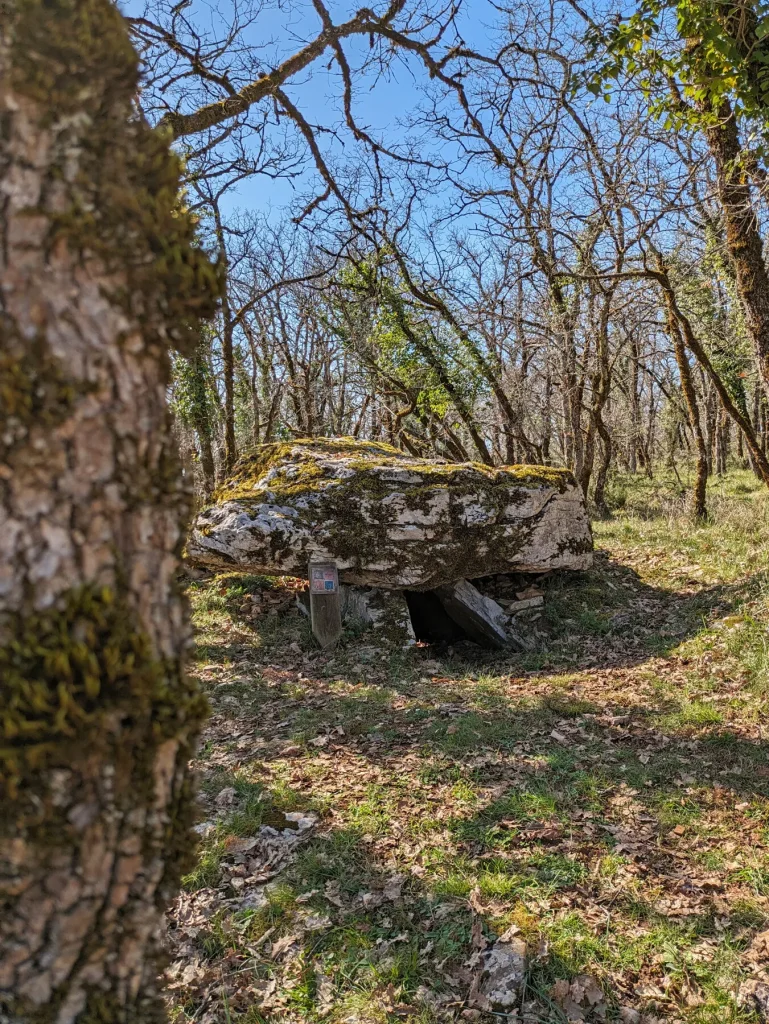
point(99, 274)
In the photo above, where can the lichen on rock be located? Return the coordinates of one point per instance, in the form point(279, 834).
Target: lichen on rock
point(385, 611)
point(389, 520)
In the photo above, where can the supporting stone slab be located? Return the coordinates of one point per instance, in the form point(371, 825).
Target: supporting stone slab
point(481, 618)
point(389, 615)
point(386, 611)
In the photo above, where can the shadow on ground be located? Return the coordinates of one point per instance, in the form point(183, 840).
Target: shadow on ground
point(600, 797)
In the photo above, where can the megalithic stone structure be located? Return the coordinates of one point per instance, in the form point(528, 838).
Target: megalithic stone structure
point(390, 525)
point(385, 519)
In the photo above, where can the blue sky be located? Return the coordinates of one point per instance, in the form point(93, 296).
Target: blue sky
point(385, 108)
point(381, 109)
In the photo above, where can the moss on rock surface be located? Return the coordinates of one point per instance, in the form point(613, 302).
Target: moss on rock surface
point(388, 519)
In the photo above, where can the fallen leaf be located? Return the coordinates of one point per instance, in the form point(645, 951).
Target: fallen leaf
point(285, 942)
point(393, 887)
point(324, 992)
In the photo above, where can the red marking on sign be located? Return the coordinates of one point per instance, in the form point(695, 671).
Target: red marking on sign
point(324, 581)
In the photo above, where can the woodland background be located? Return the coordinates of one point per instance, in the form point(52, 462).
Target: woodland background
point(505, 259)
point(493, 232)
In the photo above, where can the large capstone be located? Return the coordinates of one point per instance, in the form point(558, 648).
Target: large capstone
point(389, 520)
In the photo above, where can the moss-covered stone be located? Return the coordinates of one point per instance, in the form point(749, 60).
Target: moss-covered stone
point(293, 467)
point(388, 519)
point(385, 611)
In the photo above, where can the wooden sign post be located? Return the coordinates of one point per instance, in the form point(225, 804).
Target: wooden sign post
point(325, 603)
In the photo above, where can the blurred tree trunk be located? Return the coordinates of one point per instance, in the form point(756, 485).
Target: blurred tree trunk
point(99, 274)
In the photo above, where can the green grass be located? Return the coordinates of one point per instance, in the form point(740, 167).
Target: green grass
point(607, 794)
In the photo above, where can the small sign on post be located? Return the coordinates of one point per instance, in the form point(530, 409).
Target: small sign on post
point(325, 603)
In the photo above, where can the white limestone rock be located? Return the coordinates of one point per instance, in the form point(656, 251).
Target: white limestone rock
point(389, 520)
point(480, 618)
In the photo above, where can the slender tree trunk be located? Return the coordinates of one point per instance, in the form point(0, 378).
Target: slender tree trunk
point(699, 508)
point(228, 354)
point(207, 464)
point(756, 450)
point(635, 411)
point(601, 386)
point(228, 362)
point(650, 437)
point(571, 401)
point(361, 416)
point(757, 412)
point(743, 238)
point(601, 477)
point(723, 444)
point(711, 428)
point(547, 417)
point(98, 273)
point(201, 421)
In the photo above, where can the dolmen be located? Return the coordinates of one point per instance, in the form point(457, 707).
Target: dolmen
point(395, 527)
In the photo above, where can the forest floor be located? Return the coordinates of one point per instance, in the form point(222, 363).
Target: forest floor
point(605, 800)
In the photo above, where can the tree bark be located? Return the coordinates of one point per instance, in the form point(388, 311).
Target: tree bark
point(200, 418)
point(228, 352)
point(99, 273)
point(207, 464)
point(760, 460)
point(634, 441)
point(699, 509)
point(743, 237)
point(601, 388)
point(713, 432)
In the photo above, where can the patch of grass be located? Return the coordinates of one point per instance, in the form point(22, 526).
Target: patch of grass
point(692, 713)
point(208, 868)
point(606, 794)
point(253, 805)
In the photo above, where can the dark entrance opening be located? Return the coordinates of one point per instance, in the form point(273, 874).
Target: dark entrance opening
point(432, 623)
